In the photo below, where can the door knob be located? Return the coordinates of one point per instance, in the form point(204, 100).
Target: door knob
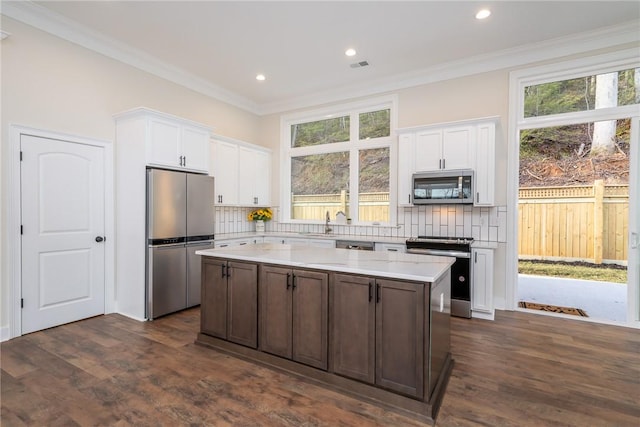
point(99, 239)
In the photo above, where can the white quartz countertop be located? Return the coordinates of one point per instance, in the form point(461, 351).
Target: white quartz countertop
point(319, 236)
point(393, 265)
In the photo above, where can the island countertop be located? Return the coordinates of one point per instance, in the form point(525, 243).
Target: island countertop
point(393, 265)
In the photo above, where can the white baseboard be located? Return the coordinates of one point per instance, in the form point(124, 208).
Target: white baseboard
point(482, 315)
point(4, 333)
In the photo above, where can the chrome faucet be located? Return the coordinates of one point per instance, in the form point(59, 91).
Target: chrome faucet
point(327, 229)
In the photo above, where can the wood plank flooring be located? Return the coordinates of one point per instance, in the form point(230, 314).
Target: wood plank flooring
point(521, 370)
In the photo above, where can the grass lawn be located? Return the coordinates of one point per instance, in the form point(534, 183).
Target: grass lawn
point(575, 270)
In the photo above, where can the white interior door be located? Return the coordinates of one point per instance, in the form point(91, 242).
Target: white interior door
point(62, 207)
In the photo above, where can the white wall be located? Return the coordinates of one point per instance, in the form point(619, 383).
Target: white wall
point(54, 85)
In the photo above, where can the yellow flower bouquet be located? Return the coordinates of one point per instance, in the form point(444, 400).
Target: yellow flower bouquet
point(263, 214)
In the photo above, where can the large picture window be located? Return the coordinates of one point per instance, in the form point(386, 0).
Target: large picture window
point(339, 162)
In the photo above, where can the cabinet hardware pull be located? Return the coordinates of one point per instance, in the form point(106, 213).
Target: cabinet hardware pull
point(370, 291)
point(440, 164)
point(444, 163)
point(409, 198)
point(477, 197)
point(288, 280)
point(476, 258)
point(377, 293)
point(184, 160)
point(294, 281)
point(223, 272)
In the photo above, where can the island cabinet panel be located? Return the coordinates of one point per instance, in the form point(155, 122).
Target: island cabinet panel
point(400, 336)
point(213, 306)
point(230, 301)
point(353, 327)
point(242, 303)
point(275, 311)
point(294, 314)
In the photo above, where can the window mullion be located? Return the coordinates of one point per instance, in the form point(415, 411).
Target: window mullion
point(354, 184)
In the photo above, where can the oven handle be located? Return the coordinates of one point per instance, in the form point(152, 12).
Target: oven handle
point(456, 254)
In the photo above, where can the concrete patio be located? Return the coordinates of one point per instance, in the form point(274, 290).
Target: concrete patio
point(600, 300)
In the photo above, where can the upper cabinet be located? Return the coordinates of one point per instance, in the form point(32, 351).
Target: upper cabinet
point(169, 141)
point(242, 172)
point(460, 145)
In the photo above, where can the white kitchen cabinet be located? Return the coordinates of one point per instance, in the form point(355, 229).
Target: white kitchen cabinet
point(390, 247)
point(224, 161)
point(238, 242)
point(482, 282)
point(254, 177)
point(300, 241)
point(485, 164)
point(428, 150)
point(242, 172)
point(175, 144)
point(468, 144)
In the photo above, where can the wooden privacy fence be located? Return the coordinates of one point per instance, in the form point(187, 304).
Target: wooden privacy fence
point(588, 223)
point(373, 206)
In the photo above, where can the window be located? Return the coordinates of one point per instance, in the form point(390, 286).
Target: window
point(581, 94)
point(339, 162)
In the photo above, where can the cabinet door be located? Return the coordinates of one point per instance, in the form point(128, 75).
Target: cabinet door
point(458, 147)
point(242, 321)
point(400, 323)
point(213, 307)
point(406, 168)
point(225, 170)
point(482, 280)
point(428, 152)
point(163, 146)
point(262, 181)
point(310, 318)
point(275, 310)
point(485, 161)
point(353, 327)
point(195, 149)
point(246, 176)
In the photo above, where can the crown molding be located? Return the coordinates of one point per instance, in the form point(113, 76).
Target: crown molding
point(53, 23)
point(575, 44)
point(43, 19)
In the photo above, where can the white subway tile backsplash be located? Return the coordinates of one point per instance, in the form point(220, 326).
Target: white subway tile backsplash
point(486, 223)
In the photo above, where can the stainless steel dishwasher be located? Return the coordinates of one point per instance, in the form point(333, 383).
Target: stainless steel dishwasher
point(353, 244)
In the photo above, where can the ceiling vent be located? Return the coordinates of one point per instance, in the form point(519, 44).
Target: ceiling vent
point(359, 64)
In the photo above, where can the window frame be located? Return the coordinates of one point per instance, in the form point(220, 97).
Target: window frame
point(518, 80)
point(352, 146)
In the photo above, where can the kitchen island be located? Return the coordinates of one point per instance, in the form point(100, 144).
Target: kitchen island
point(374, 325)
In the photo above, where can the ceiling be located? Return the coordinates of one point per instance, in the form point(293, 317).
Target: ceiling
point(299, 45)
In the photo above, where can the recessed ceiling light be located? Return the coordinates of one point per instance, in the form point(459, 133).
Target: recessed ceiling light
point(350, 52)
point(261, 77)
point(483, 14)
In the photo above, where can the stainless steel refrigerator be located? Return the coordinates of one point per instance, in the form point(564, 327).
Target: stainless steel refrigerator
point(180, 221)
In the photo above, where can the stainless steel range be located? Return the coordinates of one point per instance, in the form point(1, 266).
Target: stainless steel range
point(460, 248)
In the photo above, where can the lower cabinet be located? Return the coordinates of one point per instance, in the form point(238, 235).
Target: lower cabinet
point(377, 332)
point(482, 280)
point(229, 304)
point(294, 314)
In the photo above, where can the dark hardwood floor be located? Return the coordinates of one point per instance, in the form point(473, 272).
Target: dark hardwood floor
point(521, 370)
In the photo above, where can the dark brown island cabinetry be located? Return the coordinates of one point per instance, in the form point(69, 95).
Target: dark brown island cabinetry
point(293, 318)
point(230, 301)
point(381, 339)
point(377, 332)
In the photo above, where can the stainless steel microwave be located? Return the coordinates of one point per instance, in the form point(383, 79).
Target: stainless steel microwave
point(440, 187)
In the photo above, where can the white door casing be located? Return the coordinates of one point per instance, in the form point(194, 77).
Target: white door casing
point(63, 211)
point(633, 262)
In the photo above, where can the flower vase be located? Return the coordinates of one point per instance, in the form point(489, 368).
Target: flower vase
point(259, 226)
